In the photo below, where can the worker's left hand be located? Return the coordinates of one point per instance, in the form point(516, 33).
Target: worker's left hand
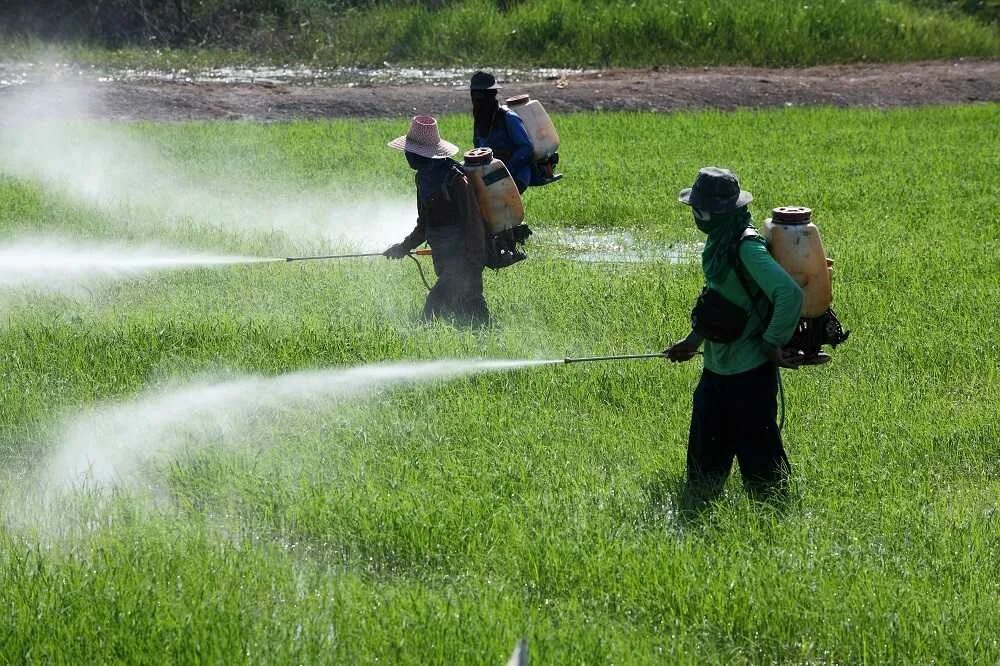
point(683, 350)
point(397, 251)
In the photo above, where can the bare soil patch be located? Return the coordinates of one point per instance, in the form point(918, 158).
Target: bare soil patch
point(658, 89)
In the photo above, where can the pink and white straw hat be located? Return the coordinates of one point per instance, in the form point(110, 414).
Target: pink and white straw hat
point(424, 139)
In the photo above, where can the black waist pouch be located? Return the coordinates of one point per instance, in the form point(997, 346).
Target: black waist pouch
point(716, 318)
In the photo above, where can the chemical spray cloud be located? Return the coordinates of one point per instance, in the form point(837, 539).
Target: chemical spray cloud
point(53, 265)
point(106, 446)
point(110, 167)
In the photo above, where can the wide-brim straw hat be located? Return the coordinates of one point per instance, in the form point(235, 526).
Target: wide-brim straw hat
point(424, 139)
point(716, 191)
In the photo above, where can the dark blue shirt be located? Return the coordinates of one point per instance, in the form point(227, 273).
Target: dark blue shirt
point(511, 145)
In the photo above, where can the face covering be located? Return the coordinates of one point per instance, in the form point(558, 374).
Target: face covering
point(416, 162)
point(431, 173)
point(484, 108)
point(723, 230)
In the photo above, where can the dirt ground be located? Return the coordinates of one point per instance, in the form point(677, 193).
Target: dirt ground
point(658, 89)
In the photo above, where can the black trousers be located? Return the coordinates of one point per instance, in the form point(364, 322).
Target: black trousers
point(458, 292)
point(733, 416)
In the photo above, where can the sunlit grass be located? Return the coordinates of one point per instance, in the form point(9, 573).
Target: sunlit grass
point(573, 33)
point(438, 524)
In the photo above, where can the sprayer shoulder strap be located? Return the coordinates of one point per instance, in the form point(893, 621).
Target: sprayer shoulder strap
point(737, 264)
point(455, 173)
point(458, 171)
point(504, 114)
point(752, 290)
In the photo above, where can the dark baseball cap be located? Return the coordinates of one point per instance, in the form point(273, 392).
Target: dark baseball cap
point(483, 81)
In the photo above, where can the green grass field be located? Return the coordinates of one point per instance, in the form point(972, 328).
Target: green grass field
point(438, 523)
point(549, 33)
point(651, 32)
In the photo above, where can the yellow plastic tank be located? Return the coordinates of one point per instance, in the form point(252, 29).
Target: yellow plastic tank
point(499, 200)
point(797, 246)
point(541, 131)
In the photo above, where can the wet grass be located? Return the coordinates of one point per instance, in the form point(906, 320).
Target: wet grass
point(569, 33)
point(439, 523)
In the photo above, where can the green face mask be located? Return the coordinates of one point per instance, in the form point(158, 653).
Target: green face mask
point(705, 222)
point(723, 230)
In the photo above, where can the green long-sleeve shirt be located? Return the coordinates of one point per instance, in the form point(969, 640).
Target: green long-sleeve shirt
point(749, 351)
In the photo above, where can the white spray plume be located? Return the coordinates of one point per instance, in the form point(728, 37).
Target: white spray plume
point(110, 167)
point(105, 446)
point(62, 266)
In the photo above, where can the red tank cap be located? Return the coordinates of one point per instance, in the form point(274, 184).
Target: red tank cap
point(518, 100)
point(479, 156)
point(792, 214)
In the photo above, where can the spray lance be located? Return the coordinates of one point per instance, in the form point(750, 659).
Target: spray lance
point(619, 357)
point(422, 252)
point(632, 357)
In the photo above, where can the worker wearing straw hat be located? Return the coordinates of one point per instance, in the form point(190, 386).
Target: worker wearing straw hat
point(449, 221)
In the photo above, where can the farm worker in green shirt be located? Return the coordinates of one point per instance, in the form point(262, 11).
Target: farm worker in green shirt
point(734, 408)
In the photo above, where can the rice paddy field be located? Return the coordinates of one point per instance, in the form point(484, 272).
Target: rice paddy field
point(255, 515)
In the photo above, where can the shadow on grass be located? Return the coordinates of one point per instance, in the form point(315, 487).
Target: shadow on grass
point(691, 504)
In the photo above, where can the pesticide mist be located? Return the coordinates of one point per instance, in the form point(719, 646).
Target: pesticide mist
point(62, 266)
point(106, 446)
point(129, 178)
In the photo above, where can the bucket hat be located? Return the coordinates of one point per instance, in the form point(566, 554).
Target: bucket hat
point(483, 81)
point(424, 139)
point(715, 190)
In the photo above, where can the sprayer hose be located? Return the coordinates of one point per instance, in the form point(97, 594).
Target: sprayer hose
point(781, 392)
point(420, 269)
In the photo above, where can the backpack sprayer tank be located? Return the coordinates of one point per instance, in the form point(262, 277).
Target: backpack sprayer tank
point(543, 135)
point(501, 207)
point(796, 245)
point(499, 200)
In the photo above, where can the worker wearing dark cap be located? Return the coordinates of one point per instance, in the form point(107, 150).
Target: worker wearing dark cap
point(745, 316)
point(497, 127)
